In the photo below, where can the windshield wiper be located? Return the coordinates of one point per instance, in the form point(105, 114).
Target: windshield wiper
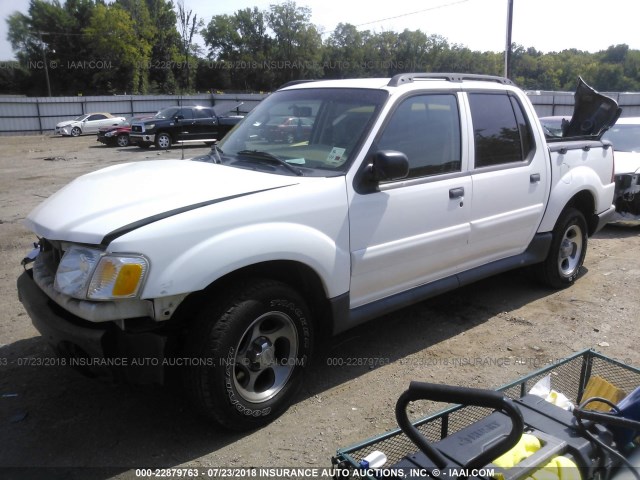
point(270, 156)
point(214, 155)
point(215, 149)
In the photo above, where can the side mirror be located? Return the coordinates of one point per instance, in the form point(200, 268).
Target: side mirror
point(389, 165)
point(381, 165)
point(179, 117)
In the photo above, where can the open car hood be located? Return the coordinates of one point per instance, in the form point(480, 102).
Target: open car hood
point(593, 114)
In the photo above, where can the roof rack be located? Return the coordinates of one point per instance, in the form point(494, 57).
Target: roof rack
point(452, 77)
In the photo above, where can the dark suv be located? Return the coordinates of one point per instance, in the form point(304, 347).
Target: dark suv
point(177, 124)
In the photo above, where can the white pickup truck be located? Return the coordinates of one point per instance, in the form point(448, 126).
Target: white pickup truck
point(233, 265)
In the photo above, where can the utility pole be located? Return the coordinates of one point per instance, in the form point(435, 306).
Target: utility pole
point(507, 49)
point(46, 67)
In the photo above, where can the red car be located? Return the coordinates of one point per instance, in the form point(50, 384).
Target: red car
point(288, 130)
point(118, 135)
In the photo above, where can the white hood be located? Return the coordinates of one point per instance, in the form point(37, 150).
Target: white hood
point(99, 203)
point(627, 162)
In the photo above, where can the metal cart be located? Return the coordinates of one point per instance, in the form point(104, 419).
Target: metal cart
point(569, 376)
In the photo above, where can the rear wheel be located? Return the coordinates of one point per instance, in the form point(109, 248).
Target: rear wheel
point(568, 249)
point(249, 350)
point(163, 140)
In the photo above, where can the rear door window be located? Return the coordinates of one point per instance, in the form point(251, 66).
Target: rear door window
point(501, 133)
point(203, 113)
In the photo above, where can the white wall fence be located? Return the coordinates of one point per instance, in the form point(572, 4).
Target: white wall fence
point(39, 115)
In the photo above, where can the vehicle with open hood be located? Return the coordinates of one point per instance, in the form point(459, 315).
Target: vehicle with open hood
point(232, 265)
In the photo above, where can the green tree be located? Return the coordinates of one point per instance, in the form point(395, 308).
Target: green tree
point(297, 49)
point(240, 48)
point(146, 33)
point(165, 47)
point(112, 33)
point(54, 31)
point(344, 53)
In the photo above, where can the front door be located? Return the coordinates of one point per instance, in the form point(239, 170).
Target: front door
point(416, 230)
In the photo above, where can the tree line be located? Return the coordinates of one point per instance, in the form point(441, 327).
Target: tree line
point(95, 47)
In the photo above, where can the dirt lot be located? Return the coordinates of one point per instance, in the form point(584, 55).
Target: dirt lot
point(483, 336)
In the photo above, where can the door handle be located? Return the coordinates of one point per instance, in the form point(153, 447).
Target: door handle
point(534, 178)
point(456, 192)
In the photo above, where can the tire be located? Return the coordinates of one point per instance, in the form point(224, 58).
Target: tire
point(122, 140)
point(568, 249)
point(163, 141)
point(75, 132)
point(253, 344)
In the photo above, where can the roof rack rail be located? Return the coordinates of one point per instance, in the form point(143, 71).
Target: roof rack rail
point(295, 82)
point(401, 78)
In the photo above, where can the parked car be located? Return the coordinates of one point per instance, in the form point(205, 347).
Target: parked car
point(87, 123)
point(176, 124)
point(118, 135)
point(625, 137)
point(232, 267)
point(288, 129)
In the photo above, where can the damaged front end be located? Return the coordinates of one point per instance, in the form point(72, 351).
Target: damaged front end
point(627, 197)
point(625, 137)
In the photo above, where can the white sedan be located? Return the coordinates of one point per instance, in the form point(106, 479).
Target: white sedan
point(87, 123)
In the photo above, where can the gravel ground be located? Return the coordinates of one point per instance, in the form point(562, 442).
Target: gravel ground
point(483, 336)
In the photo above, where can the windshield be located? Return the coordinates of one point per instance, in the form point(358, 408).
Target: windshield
point(625, 138)
point(315, 129)
point(167, 112)
point(80, 118)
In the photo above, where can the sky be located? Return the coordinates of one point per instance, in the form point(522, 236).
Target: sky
point(546, 25)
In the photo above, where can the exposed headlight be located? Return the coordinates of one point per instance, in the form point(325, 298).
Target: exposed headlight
point(149, 127)
point(90, 273)
point(75, 269)
point(110, 133)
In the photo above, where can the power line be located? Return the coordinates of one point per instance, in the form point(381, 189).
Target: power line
point(413, 13)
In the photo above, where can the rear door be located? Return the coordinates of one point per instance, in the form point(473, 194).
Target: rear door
point(205, 124)
point(416, 230)
point(510, 174)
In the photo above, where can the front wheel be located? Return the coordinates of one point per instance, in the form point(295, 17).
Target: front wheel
point(122, 140)
point(75, 132)
point(568, 249)
point(250, 348)
point(163, 140)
